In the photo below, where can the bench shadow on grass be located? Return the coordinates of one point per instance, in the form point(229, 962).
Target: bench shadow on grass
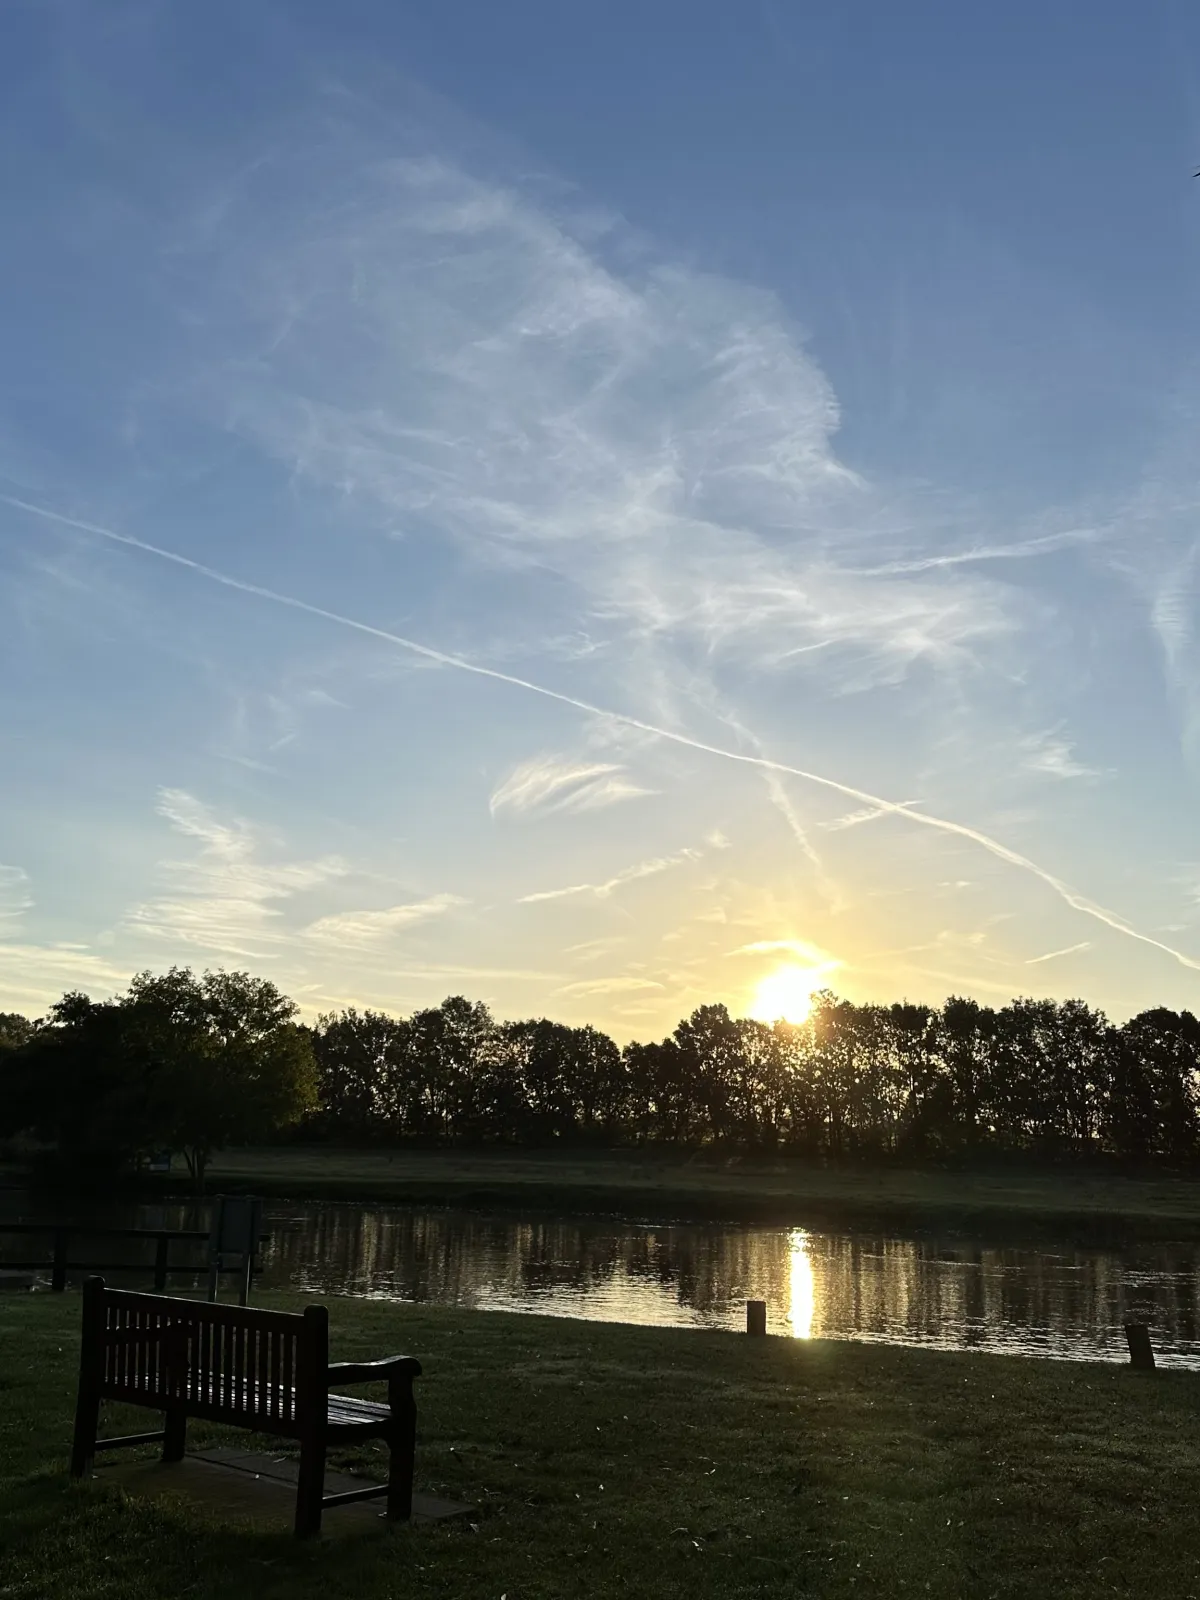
point(141, 1530)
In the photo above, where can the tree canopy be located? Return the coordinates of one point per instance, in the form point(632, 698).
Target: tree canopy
point(191, 1064)
point(15, 1030)
point(180, 1062)
point(1052, 1079)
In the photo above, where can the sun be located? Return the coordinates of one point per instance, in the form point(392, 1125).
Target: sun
point(785, 995)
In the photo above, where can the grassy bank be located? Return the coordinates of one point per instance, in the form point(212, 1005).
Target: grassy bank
point(1104, 1208)
point(607, 1460)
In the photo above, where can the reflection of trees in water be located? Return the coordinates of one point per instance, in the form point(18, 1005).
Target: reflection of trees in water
point(918, 1289)
point(844, 1285)
point(840, 1284)
point(452, 1256)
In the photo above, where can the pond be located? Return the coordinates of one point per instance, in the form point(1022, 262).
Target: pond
point(944, 1291)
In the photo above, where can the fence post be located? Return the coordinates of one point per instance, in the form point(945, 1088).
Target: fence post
point(58, 1271)
point(756, 1317)
point(1141, 1351)
point(161, 1246)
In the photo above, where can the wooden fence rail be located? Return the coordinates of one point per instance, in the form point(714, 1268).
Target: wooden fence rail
point(60, 1263)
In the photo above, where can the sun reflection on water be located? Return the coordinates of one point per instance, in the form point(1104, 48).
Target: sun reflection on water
point(802, 1290)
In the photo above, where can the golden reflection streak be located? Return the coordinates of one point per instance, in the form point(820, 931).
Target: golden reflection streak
point(802, 1285)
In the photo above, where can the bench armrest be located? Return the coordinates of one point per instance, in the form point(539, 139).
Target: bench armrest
point(373, 1371)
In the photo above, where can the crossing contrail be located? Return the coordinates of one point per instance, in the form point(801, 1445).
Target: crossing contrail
point(1072, 897)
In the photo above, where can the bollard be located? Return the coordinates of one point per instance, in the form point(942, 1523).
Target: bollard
point(756, 1316)
point(1141, 1351)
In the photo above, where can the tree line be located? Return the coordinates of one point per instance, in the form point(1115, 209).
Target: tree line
point(1051, 1079)
point(190, 1064)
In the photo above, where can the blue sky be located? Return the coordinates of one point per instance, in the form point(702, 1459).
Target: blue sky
point(580, 506)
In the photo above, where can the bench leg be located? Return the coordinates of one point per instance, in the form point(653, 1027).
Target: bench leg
point(311, 1488)
point(402, 1447)
point(87, 1403)
point(87, 1423)
point(175, 1437)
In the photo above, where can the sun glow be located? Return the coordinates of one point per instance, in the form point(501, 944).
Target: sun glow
point(785, 995)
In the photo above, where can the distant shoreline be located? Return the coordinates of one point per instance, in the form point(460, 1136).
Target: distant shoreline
point(1091, 1208)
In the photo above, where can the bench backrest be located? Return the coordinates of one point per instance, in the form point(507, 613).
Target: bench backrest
point(237, 1364)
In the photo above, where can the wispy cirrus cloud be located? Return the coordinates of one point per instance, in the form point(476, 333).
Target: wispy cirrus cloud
point(661, 440)
point(16, 897)
point(34, 976)
point(235, 900)
point(225, 899)
point(601, 891)
point(1050, 754)
point(800, 948)
point(1152, 544)
point(594, 949)
point(360, 928)
point(607, 986)
point(552, 783)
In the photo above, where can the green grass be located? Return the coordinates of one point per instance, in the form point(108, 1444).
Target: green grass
point(1093, 1207)
point(612, 1460)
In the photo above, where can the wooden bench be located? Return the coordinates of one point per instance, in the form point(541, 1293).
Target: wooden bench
point(267, 1371)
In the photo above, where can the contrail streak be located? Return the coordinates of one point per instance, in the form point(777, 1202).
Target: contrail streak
point(1065, 892)
point(958, 558)
point(1053, 955)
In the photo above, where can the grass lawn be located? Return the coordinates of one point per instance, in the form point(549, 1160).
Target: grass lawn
point(614, 1460)
point(1094, 1207)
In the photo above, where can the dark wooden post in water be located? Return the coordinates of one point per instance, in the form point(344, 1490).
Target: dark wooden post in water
point(1141, 1351)
point(756, 1316)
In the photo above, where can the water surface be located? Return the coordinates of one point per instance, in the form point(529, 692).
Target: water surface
point(942, 1291)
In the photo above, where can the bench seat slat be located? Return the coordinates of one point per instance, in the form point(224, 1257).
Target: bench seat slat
point(347, 1411)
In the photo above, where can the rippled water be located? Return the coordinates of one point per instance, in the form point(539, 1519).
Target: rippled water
point(947, 1292)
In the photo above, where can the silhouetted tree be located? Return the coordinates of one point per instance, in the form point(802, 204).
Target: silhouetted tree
point(220, 1058)
point(15, 1033)
point(180, 1062)
point(73, 1084)
point(192, 1063)
point(360, 1062)
point(663, 1091)
point(15, 1030)
point(967, 1034)
point(1156, 1092)
point(450, 1051)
